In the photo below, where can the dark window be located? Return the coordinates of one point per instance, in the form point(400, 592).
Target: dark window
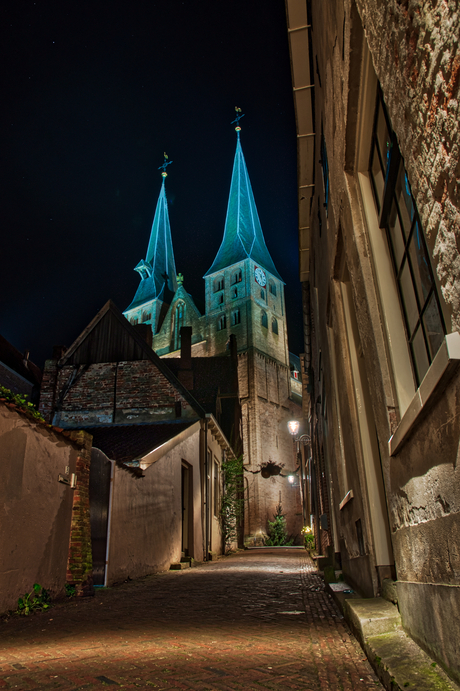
point(425, 328)
point(264, 320)
point(219, 283)
point(220, 299)
point(325, 168)
point(262, 294)
point(222, 323)
point(235, 293)
point(216, 488)
point(274, 325)
point(273, 289)
point(236, 317)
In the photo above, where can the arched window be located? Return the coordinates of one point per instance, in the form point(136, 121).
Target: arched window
point(236, 317)
point(264, 320)
point(221, 323)
point(274, 325)
point(237, 277)
point(273, 289)
point(262, 294)
point(234, 293)
point(219, 283)
point(179, 317)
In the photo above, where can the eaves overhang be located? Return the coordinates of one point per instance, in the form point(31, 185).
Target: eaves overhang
point(302, 85)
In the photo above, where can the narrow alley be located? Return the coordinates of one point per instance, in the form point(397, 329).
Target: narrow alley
point(259, 619)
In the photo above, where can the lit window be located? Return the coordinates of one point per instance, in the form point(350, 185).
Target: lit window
point(398, 215)
point(264, 320)
point(237, 277)
point(179, 317)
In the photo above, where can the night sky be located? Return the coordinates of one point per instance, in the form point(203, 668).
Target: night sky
point(93, 93)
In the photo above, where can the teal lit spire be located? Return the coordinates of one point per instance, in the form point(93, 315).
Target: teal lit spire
point(158, 269)
point(243, 236)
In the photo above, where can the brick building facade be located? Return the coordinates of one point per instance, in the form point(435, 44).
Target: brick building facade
point(376, 89)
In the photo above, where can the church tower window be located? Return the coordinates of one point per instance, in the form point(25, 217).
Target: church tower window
point(236, 317)
point(237, 277)
point(275, 325)
point(272, 288)
point(235, 293)
point(221, 323)
point(179, 317)
point(220, 299)
point(219, 283)
point(264, 320)
point(262, 294)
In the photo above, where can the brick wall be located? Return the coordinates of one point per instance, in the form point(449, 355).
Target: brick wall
point(80, 562)
point(108, 392)
point(418, 66)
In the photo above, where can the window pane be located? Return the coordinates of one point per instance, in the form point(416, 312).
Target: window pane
point(404, 199)
point(378, 177)
point(408, 298)
point(420, 265)
point(383, 138)
point(397, 239)
point(420, 355)
point(433, 326)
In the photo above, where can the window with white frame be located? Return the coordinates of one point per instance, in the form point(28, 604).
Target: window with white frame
point(398, 216)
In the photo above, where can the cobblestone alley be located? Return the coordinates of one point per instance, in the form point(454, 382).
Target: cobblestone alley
point(256, 620)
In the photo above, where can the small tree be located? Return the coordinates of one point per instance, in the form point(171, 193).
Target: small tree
point(277, 532)
point(232, 502)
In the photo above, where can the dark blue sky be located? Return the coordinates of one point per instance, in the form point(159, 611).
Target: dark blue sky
point(93, 93)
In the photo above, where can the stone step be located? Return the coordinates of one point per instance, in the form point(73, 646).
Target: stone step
point(178, 566)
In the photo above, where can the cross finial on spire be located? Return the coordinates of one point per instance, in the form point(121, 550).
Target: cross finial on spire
point(239, 115)
point(180, 279)
point(165, 164)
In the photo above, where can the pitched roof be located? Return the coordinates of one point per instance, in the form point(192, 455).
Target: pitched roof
point(111, 338)
point(126, 443)
point(243, 236)
point(159, 262)
point(15, 360)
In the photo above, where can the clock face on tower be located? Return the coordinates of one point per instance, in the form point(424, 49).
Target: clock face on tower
point(259, 275)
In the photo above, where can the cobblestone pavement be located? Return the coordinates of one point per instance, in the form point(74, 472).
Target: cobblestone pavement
point(255, 620)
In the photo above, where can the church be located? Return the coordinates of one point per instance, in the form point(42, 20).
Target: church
point(244, 298)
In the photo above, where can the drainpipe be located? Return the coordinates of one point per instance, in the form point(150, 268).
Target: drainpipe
point(205, 488)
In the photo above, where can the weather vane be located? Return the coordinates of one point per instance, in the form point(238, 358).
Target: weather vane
point(163, 167)
point(239, 115)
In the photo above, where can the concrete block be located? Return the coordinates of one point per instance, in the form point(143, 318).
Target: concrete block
point(371, 617)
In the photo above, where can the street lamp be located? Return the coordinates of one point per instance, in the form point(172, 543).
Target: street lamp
point(293, 427)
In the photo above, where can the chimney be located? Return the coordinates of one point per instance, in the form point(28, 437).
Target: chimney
point(58, 352)
point(186, 347)
point(185, 374)
point(145, 332)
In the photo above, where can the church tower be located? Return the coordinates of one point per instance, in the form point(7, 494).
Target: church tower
point(157, 271)
point(245, 297)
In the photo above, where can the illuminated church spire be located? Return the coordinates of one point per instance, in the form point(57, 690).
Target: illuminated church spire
point(243, 237)
point(158, 269)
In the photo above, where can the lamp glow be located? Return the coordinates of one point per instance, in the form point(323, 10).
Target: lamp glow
point(291, 479)
point(293, 427)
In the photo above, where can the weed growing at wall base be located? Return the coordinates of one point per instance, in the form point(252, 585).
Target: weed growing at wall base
point(38, 599)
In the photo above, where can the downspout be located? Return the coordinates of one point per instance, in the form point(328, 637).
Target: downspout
point(204, 487)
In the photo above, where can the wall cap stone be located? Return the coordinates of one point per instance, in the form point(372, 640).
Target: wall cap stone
point(442, 368)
